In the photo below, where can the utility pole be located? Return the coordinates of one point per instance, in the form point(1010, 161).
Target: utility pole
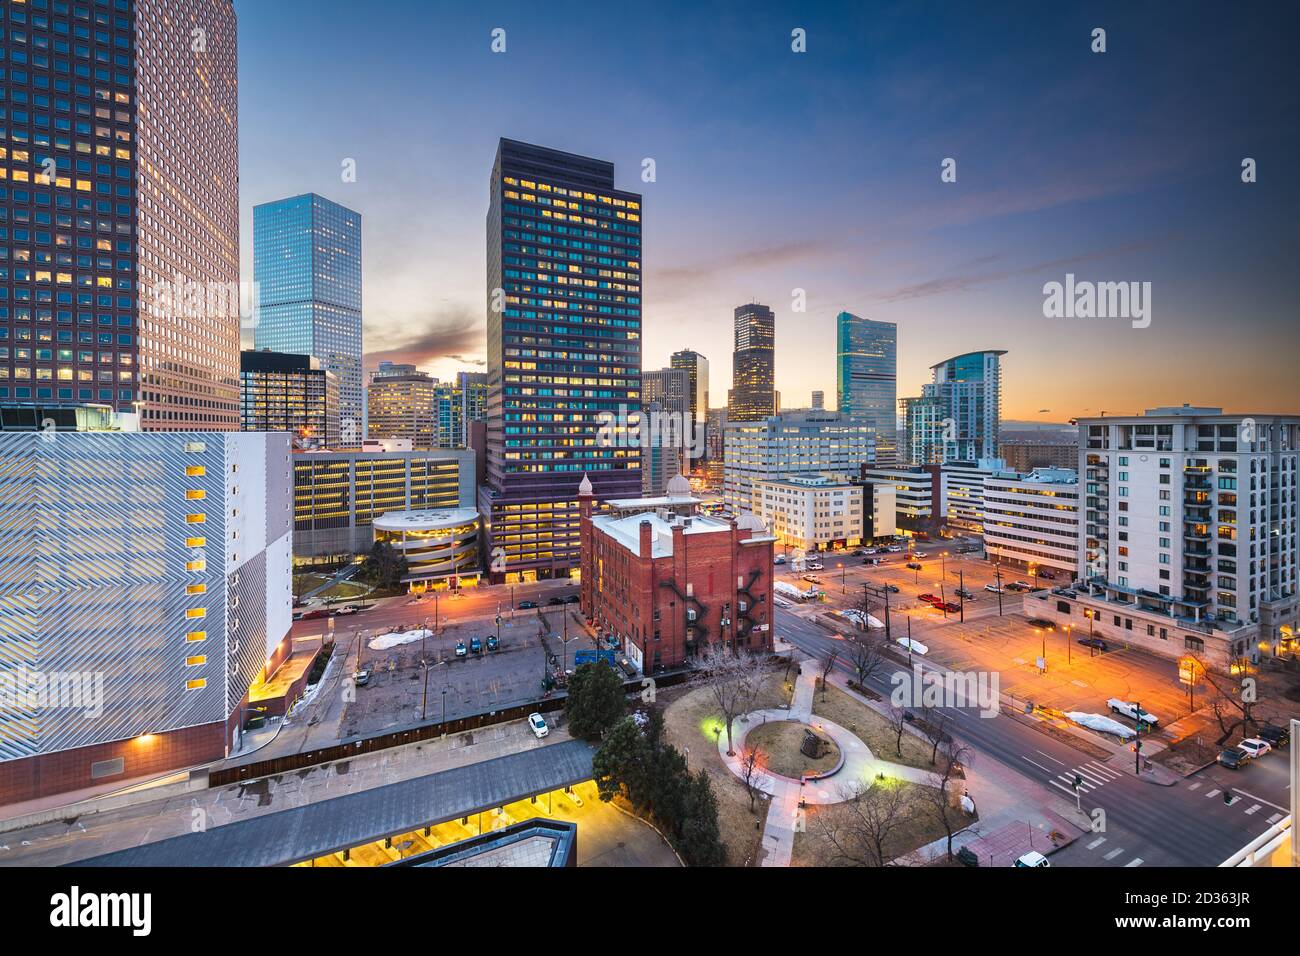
point(1137, 740)
point(997, 570)
point(887, 635)
point(909, 642)
point(961, 594)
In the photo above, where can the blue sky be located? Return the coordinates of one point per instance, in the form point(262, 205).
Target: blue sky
point(820, 171)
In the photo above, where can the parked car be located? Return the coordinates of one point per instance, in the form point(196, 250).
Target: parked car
point(1023, 585)
point(476, 645)
point(994, 589)
point(346, 609)
point(1278, 737)
point(1131, 711)
point(949, 607)
point(892, 588)
point(1233, 758)
point(1047, 575)
point(627, 667)
point(779, 559)
point(572, 599)
point(1096, 642)
point(913, 566)
point(1042, 623)
point(460, 649)
point(963, 593)
point(527, 605)
point(873, 562)
point(1033, 858)
point(361, 678)
point(537, 724)
point(781, 602)
point(894, 549)
point(555, 600)
point(1254, 747)
point(858, 552)
point(927, 598)
point(492, 642)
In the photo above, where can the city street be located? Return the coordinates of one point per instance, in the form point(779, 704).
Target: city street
point(1186, 824)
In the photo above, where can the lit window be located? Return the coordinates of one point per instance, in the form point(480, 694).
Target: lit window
point(195, 637)
point(195, 471)
point(196, 660)
point(195, 494)
point(197, 684)
point(196, 542)
point(196, 519)
point(196, 612)
point(199, 565)
point(196, 589)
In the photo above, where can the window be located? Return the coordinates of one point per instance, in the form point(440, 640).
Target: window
point(195, 612)
point(196, 637)
point(196, 661)
point(196, 519)
point(196, 589)
point(197, 684)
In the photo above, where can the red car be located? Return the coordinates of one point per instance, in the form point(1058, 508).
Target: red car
point(930, 599)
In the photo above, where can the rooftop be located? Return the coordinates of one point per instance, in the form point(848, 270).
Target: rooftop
point(626, 530)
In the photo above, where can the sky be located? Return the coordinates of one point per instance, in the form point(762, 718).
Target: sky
point(820, 171)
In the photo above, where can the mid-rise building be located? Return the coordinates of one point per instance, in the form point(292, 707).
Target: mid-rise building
point(784, 446)
point(290, 393)
point(1189, 534)
point(338, 495)
point(670, 583)
point(119, 190)
point(812, 512)
point(403, 404)
point(307, 268)
point(866, 374)
point(752, 397)
point(563, 349)
point(1032, 521)
point(697, 368)
point(471, 398)
point(961, 491)
point(915, 492)
point(146, 582)
point(1028, 456)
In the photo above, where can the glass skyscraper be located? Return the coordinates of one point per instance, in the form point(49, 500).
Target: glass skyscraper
point(307, 267)
point(564, 353)
point(866, 377)
point(753, 371)
point(119, 192)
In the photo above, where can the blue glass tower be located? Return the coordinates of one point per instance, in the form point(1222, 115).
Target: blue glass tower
point(866, 372)
point(307, 267)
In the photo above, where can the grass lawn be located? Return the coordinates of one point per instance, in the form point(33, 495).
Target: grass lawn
point(778, 743)
point(304, 584)
point(690, 720)
point(345, 589)
point(921, 826)
point(874, 730)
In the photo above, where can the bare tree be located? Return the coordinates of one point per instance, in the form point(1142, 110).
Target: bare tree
point(751, 762)
point(898, 723)
point(1227, 702)
point(860, 828)
point(734, 681)
point(934, 724)
point(952, 757)
point(868, 657)
point(828, 665)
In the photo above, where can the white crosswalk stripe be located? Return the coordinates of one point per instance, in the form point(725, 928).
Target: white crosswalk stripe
point(1096, 843)
point(1136, 861)
point(1114, 853)
point(1254, 809)
point(1091, 776)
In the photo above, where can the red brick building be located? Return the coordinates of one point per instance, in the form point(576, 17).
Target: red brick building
point(669, 581)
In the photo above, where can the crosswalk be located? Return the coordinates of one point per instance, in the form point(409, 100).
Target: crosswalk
point(1090, 776)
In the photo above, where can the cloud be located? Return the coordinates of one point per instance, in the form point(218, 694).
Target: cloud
point(457, 334)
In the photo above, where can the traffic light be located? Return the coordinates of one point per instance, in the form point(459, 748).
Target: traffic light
point(1078, 781)
point(1227, 797)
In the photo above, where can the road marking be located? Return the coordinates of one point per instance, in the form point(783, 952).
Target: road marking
point(1096, 843)
point(1109, 772)
point(1273, 819)
point(1051, 758)
point(1253, 810)
point(1195, 786)
point(1036, 764)
point(1062, 787)
point(1087, 773)
point(1210, 793)
point(1087, 785)
point(1078, 683)
point(1113, 853)
point(1136, 861)
point(1267, 803)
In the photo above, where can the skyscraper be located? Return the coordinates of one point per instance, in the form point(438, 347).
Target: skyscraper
point(307, 267)
point(753, 397)
point(564, 352)
point(697, 367)
point(403, 404)
point(866, 376)
point(124, 285)
point(957, 416)
point(668, 427)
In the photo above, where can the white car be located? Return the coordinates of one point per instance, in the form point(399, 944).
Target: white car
point(1255, 747)
point(994, 589)
point(1130, 710)
point(781, 602)
point(537, 724)
point(1033, 858)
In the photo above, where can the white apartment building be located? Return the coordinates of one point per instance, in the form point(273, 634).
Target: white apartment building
point(913, 490)
point(1189, 535)
point(811, 512)
point(961, 490)
point(785, 446)
point(1033, 521)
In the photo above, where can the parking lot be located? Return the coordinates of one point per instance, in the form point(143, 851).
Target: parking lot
point(398, 692)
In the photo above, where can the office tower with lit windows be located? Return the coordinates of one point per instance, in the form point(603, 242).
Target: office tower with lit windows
point(471, 400)
point(307, 270)
point(958, 415)
point(564, 353)
point(403, 403)
point(121, 272)
point(697, 367)
point(289, 393)
point(866, 376)
point(753, 371)
point(669, 434)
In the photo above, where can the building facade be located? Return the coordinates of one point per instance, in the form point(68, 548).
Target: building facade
point(1028, 456)
point(289, 393)
point(403, 403)
point(812, 512)
point(697, 370)
point(915, 492)
point(961, 491)
point(958, 415)
point(753, 365)
point(121, 211)
point(564, 352)
point(866, 377)
point(442, 548)
point(670, 583)
point(1033, 521)
point(307, 268)
point(1189, 534)
point(668, 432)
point(784, 446)
point(145, 582)
point(338, 495)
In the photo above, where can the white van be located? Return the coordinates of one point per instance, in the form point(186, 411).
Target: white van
point(1033, 858)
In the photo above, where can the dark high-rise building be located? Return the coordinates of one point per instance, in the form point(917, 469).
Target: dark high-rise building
point(564, 352)
point(753, 396)
point(290, 393)
point(121, 209)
